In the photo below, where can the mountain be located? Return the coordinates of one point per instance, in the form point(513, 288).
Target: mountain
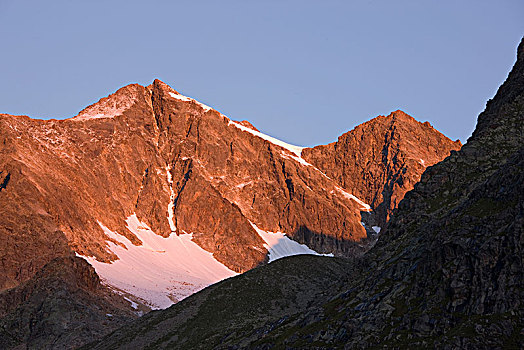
point(164, 196)
point(147, 160)
point(447, 271)
point(382, 159)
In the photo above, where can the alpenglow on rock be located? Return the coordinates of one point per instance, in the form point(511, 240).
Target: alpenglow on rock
point(147, 173)
point(381, 160)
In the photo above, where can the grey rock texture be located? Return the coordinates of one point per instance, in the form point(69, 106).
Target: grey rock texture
point(62, 307)
point(448, 270)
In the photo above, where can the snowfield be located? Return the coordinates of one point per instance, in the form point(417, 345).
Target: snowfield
point(189, 99)
point(294, 149)
point(161, 271)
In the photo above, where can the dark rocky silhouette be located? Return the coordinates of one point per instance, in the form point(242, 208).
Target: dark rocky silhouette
point(62, 307)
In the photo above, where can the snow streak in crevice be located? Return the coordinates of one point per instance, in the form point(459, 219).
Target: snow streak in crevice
point(171, 205)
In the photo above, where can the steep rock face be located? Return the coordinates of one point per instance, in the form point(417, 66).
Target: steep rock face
point(270, 186)
point(382, 159)
point(64, 177)
point(62, 307)
point(180, 166)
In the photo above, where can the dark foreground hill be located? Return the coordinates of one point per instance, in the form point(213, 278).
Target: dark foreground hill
point(446, 273)
point(62, 307)
point(228, 311)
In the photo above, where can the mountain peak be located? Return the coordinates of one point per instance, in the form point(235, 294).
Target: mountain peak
point(124, 98)
point(158, 84)
point(394, 144)
point(400, 114)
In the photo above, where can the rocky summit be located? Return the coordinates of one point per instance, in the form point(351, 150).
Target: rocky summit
point(447, 271)
point(382, 159)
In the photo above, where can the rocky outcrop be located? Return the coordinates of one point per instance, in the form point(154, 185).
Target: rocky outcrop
point(63, 306)
point(382, 159)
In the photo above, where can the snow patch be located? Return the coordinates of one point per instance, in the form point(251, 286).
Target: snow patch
point(171, 205)
point(364, 206)
point(294, 149)
point(295, 158)
point(189, 99)
point(376, 228)
point(280, 246)
point(133, 304)
point(161, 271)
point(105, 108)
point(243, 184)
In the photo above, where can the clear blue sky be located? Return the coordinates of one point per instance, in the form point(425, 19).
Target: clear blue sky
point(302, 71)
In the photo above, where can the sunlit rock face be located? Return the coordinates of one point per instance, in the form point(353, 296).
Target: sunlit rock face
point(382, 159)
point(179, 166)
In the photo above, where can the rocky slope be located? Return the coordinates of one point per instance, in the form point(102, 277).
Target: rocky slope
point(446, 273)
point(62, 307)
point(382, 159)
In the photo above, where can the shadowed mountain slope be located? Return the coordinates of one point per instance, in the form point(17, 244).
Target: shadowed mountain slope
point(231, 309)
point(62, 307)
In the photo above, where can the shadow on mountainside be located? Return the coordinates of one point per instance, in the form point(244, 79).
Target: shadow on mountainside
point(325, 244)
